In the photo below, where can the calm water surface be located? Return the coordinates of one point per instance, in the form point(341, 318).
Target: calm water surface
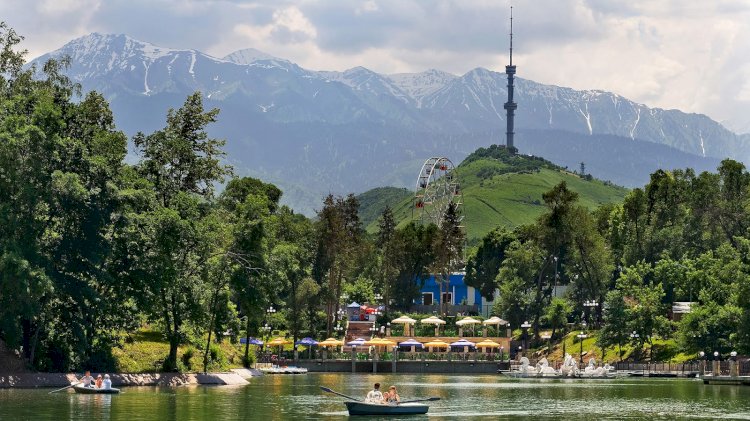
point(463, 397)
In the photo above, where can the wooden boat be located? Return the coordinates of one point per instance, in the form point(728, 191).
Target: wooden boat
point(94, 391)
point(361, 408)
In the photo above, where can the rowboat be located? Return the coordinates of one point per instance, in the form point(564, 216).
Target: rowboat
point(361, 408)
point(94, 391)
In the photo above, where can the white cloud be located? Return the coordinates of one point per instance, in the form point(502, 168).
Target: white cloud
point(687, 54)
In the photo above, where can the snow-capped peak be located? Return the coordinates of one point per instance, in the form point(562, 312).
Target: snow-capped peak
point(419, 85)
point(249, 55)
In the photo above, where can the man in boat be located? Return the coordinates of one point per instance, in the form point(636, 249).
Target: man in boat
point(86, 380)
point(375, 395)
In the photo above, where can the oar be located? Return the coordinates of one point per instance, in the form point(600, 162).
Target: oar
point(434, 398)
point(66, 387)
point(325, 389)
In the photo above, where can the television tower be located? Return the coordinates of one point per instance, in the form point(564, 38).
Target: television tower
point(510, 106)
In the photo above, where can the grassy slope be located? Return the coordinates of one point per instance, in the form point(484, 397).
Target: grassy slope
point(373, 201)
point(147, 349)
point(506, 191)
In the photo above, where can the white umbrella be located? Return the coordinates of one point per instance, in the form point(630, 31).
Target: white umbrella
point(432, 320)
point(494, 320)
point(466, 321)
point(406, 321)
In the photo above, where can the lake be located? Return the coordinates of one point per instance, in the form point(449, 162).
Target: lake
point(299, 397)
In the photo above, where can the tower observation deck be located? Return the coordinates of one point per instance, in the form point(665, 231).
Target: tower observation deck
point(510, 106)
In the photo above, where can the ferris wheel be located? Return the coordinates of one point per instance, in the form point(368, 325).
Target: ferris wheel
point(437, 187)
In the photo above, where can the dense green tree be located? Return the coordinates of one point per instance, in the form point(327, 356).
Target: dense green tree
point(448, 247)
point(556, 314)
point(614, 330)
point(483, 266)
point(416, 254)
point(182, 164)
point(388, 256)
point(339, 239)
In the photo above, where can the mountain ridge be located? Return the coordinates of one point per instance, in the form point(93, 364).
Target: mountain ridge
point(282, 121)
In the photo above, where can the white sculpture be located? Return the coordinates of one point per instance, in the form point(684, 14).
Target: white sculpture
point(569, 367)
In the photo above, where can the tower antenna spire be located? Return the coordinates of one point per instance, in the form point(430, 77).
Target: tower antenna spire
point(511, 35)
point(510, 106)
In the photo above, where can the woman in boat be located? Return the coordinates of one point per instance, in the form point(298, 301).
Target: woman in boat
point(99, 381)
point(391, 396)
point(107, 382)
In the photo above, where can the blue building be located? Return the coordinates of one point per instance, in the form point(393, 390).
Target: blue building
point(459, 296)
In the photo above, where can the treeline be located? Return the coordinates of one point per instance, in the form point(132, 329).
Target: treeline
point(682, 238)
point(93, 248)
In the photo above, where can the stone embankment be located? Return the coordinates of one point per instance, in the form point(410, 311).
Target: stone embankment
point(33, 380)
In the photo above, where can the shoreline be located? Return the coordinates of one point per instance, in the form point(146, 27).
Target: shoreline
point(56, 380)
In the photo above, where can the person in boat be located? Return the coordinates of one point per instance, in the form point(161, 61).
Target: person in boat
point(107, 382)
point(86, 380)
point(391, 396)
point(98, 383)
point(375, 395)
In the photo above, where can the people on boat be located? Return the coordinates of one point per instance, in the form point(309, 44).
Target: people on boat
point(375, 395)
point(98, 383)
point(107, 382)
point(87, 380)
point(391, 396)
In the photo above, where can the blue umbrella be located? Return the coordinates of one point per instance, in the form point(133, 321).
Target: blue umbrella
point(356, 342)
point(309, 343)
point(411, 343)
point(306, 342)
point(251, 341)
point(463, 343)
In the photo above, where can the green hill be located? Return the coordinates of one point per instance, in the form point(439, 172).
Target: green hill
point(498, 189)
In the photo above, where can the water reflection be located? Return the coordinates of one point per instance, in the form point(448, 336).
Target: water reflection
point(465, 397)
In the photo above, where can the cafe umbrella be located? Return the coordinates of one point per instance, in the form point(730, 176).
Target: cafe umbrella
point(432, 320)
point(407, 322)
point(467, 321)
point(309, 343)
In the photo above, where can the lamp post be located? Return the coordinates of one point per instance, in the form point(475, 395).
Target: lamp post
point(702, 356)
point(590, 304)
point(525, 326)
point(581, 336)
point(520, 353)
point(554, 293)
point(502, 349)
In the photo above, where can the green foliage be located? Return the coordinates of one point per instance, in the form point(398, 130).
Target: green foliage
point(556, 314)
point(503, 192)
point(373, 202)
point(483, 266)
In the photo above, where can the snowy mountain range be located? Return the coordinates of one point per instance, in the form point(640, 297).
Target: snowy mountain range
point(315, 132)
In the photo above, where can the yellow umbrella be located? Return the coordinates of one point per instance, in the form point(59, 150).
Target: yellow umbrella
point(379, 342)
point(331, 342)
point(436, 344)
point(278, 342)
point(488, 344)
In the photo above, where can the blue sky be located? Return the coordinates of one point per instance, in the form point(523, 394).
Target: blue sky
point(686, 54)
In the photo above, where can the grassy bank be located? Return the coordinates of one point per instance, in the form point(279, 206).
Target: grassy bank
point(665, 350)
point(145, 350)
